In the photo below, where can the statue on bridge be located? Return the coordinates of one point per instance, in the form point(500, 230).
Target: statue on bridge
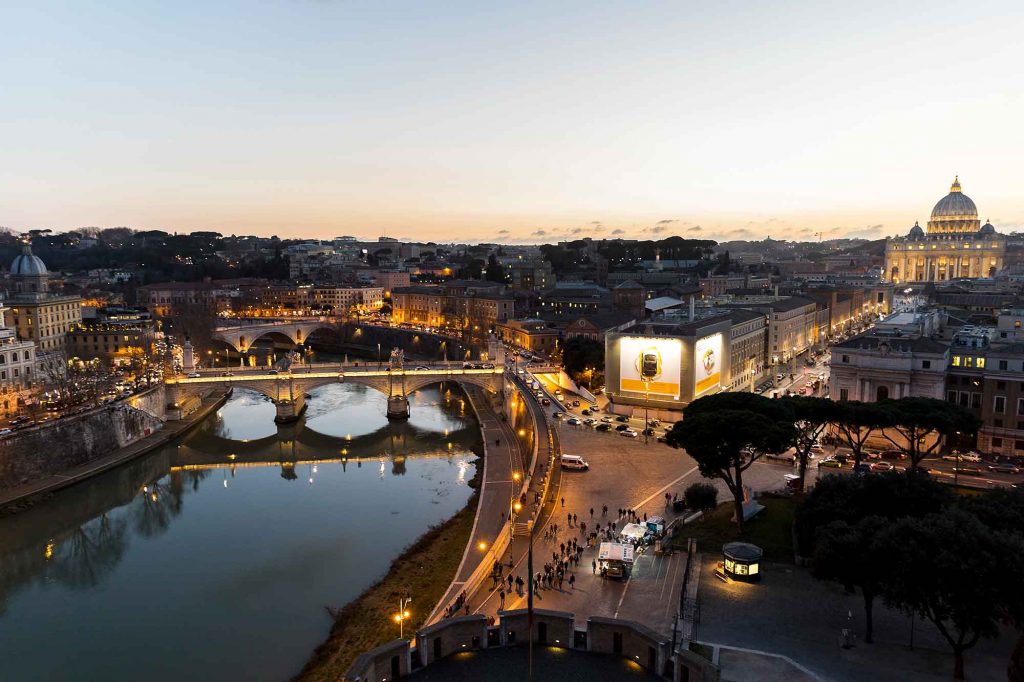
point(398, 401)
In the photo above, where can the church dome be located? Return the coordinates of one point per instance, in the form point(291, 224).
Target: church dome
point(27, 264)
point(916, 232)
point(987, 228)
point(956, 204)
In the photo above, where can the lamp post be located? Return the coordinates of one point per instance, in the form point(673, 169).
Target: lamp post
point(402, 615)
point(378, 357)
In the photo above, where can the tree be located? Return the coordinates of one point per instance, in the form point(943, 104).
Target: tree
point(812, 416)
point(701, 496)
point(848, 554)
point(851, 499)
point(953, 571)
point(918, 419)
point(582, 358)
point(727, 432)
point(495, 273)
point(855, 423)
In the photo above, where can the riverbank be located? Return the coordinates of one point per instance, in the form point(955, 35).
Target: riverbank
point(19, 498)
point(423, 571)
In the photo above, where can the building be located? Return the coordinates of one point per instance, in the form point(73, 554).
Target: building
point(17, 369)
point(389, 280)
point(793, 326)
point(36, 314)
point(956, 245)
point(113, 334)
point(531, 334)
point(661, 367)
point(531, 275)
point(462, 305)
point(899, 358)
point(213, 296)
point(748, 349)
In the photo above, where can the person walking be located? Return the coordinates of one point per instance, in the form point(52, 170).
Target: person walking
point(572, 583)
point(569, 519)
point(510, 581)
point(501, 604)
point(591, 512)
point(563, 502)
point(593, 566)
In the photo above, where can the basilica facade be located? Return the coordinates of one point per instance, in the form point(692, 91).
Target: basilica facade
point(955, 245)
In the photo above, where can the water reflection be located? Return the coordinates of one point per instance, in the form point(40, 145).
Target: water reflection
point(237, 563)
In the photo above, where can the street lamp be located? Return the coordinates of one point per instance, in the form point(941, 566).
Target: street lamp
point(402, 615)
point(378, 357)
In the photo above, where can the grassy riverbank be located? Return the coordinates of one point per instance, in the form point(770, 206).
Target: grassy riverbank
point(424, 570)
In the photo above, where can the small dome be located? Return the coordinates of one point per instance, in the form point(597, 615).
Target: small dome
point(987, 228)
point(27, 264)
point(956, 204)
point(916, 232)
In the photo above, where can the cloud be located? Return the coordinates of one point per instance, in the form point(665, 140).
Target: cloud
point(668, 222)
point(503, 232)
point(657, 229)
point(539, 233)
point(594, 222)
point(618, 231)
point(696, 228)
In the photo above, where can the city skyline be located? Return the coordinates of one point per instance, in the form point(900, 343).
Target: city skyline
point(514, 124)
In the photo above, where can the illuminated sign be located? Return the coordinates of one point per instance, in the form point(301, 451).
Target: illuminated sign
point(650, 366)
point(707, 364)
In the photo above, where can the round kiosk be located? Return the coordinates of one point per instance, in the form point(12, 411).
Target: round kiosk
point(742, 561)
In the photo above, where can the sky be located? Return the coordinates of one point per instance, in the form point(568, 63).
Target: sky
point(515, 122)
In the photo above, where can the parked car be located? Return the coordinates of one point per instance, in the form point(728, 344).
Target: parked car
point(893, 455)
point(603, 427)
point(589, 421)
point(622, 418)
point(951, 458)
point(629, 433)
point(970, 457)
point(194, 375)
point(969, 470)
point(882, 466)
point(575, 403)
point(586, 413)
point(622, 427)
point(595, 408)
point(574, 462)
point(997, 468)
point(573, 421)
point(830, 463)
point(785, 457)
point(606, 419)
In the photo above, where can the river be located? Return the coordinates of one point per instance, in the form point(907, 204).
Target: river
point(214, 559)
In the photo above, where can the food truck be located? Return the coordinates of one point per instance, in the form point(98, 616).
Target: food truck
point(615, 560)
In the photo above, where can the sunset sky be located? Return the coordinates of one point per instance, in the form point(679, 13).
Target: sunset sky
point(484, 121)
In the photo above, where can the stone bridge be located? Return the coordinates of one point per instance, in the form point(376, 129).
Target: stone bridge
point(241, 337)
point(288, 389)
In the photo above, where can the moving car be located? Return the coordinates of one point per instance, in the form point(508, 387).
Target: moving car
point(557, 415)
point(586, 413)
point(194, 375)
point(575, 463)
point(969, 470)
point(545, 401)
point(882, 466)
point(653, 422)
point(622, 427)
point(830, 463)
point(622, 418)
point(606, 419)
point(629, 433)
point(573, 421)
point(648, 431)
point(603, 427)
point(1004, 468)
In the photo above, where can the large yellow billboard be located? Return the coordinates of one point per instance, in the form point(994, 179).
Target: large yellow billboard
point(650, 366)
point(707, 364)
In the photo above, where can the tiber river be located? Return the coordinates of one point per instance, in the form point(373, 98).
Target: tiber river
point(212, 560)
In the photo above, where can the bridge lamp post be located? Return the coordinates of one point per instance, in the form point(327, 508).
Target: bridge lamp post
point(402, 615)
point(378, 357)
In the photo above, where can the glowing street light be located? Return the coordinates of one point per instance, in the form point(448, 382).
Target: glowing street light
point(402, 615)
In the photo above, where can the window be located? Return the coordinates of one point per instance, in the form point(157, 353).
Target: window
point(997, 442)
point(846, 358)
point(968, 361)
point(926, 364)
point(1018, 445)
point(1020, 405)
point(956, 360)
point(881, 393)
point(976, 401)
point(1003, 364)
point(1001, 385)
point(951, 396)
point(979, 363)
point(999, 404)
point(964, 397)
point(844, 394)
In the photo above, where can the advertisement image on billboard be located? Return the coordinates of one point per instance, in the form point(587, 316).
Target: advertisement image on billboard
point(707, 364)
point(650, 366)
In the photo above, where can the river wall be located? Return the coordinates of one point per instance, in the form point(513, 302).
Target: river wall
point(38, 453)
point(362, 340)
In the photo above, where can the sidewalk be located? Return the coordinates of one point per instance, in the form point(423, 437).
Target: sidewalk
point(171, 430)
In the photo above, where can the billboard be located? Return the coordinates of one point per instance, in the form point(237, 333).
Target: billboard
point(650, 366)
point(707, 364)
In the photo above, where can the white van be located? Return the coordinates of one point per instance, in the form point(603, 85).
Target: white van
point(574, 462)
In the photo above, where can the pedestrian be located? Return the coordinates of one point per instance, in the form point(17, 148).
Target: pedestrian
point(604, 510)
point(510, 581)
point(593, 566)
point(562, 547)
point(501, 597)
point(645, 517)
point(575, 519)
point(563, 502)
point(569, 519)
point(572, 585)
point(591, 512)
